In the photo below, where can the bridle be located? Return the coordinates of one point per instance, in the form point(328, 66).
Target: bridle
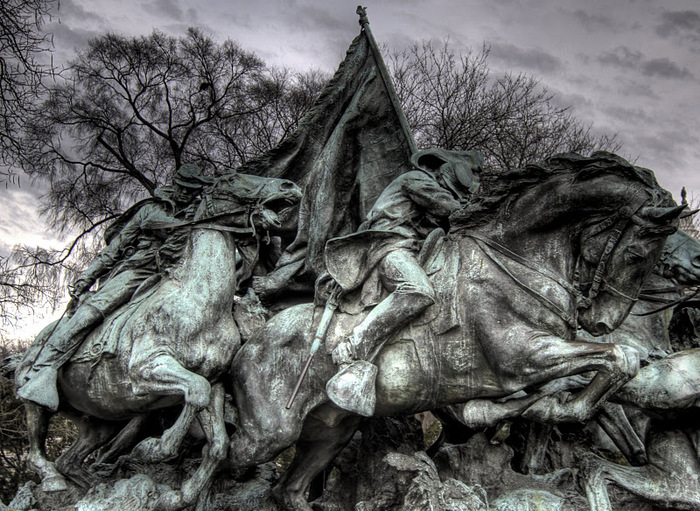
point(617, 223)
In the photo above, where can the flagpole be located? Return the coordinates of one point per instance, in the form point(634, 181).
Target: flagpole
point(386, 78)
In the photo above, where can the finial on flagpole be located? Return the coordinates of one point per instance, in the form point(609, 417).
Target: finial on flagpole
point(362, 12)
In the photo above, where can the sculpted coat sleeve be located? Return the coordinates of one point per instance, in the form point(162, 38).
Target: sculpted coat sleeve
point(117, 248)
point(430, 196)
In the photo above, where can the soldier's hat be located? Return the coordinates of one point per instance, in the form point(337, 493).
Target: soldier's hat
point(190, 175)
point(457, 167)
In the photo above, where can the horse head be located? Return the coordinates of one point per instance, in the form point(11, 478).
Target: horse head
point(273, 202)
point(616, 262)
point(599, 216)
point(680, 259)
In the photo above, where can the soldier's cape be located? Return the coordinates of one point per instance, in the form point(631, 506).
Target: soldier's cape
point(161, 194)
point(351, 144)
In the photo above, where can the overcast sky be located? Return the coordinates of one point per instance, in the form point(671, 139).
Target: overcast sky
point(627, 66)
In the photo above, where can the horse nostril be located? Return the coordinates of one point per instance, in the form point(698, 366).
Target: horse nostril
point(696, 262)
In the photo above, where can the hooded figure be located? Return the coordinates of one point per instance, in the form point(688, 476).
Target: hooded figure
point(409, 208)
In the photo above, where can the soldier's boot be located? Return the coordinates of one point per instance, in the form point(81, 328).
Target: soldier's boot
point(353, 387)
point(39, 384)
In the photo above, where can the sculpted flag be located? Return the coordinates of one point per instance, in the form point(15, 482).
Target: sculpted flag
point(349, 146)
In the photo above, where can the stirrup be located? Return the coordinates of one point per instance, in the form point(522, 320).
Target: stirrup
point(352, 388)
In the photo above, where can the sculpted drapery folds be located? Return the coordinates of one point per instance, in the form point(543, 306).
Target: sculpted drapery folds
point(451, 284)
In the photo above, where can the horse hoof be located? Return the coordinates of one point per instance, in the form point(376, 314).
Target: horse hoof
point(289, 501)
point(53, 484)
point(150, 450)
point(169, 501)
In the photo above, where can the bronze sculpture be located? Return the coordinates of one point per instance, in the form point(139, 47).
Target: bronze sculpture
point(499, 284)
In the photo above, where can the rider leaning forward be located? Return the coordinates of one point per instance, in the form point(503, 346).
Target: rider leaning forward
point(132, 255)
point(408, 209)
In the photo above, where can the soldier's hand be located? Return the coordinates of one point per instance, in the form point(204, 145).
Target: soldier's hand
point(343, 353)
point(72, 305)
point(78, 289)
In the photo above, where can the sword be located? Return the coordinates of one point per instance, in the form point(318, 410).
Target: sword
point(321, 331)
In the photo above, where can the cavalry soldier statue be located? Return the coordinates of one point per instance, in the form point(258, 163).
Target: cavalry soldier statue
point(134, 252)
point(408, 209)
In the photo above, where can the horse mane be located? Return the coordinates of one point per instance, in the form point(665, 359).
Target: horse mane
point(499, 189)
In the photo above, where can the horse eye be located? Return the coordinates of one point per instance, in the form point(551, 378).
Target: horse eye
point(287, 185)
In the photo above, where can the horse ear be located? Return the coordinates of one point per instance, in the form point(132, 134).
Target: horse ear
point(689, 213)
point(661, 214)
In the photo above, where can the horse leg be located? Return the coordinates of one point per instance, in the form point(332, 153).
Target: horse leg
point(613, 419)
point(92, 434)
point(211, 419)
point(37, 427)
point(164, 375)
point(552, 358)
point(265, 427)
point(125, 440)
point(670, 480)
point(538, 436)
point(315, 449)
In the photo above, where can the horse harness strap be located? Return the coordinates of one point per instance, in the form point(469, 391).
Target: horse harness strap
point(486, 244)
point(202, 224)
point(618, 222)
point(669, 303)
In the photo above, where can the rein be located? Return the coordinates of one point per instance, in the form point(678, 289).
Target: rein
point(618, 222)
point(648, 296)
point(486, 244)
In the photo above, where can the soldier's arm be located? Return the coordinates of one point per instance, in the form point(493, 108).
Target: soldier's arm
point(429, 195)
point(111, 254)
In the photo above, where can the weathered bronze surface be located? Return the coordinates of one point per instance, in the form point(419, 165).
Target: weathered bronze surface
point(409, 283)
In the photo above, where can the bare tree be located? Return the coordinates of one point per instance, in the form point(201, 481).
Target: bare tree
point(132, 110)
point(22, 46)
point(125, 114)
point(451, 101)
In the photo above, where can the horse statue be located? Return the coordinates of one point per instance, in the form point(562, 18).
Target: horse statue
point(646, 330)
point(667, 392)
point(661, 455)
point(505, 319)
point(169, 346)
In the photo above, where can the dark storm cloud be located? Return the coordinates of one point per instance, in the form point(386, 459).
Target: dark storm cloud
point(69, 40)
point(637, 88)
point(630, 115)
point(528, 58)
point(680, 25)
point(314, 17)
point(625, 58)
point(578, 102)
point(665, 68)
point(669, 146)
point(622, 57)
point(69, 11)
